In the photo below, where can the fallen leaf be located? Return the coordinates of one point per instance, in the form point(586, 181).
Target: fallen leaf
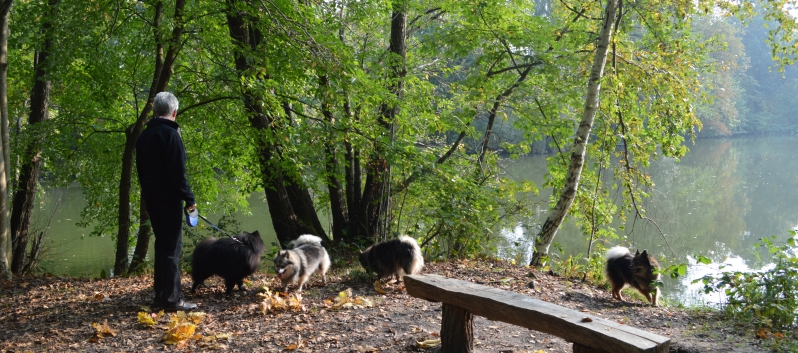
point(378, 287)
point(103, 330)
point(365, 349)
point(427, 344)
point(146, 319)
point(182, 327)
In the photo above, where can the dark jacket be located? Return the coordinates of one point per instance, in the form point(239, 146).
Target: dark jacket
point(161, 163)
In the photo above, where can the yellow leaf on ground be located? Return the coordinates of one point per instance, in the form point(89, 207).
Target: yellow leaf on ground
point(279, 301)
point(104, 330)
point(146, 319)
point(345, 300)
point(182, 327)
point(378, 287)
point(426, 344)
point(196, 317)
point(179, 333)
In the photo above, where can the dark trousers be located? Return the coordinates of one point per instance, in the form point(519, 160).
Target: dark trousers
point(167, 223)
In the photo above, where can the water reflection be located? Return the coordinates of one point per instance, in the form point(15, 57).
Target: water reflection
point(72, 251)
point(723, 197)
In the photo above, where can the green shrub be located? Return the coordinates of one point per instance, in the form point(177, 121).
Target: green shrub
point(769, 297)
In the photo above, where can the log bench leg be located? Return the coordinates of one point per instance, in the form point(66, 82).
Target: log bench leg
point(457, 330)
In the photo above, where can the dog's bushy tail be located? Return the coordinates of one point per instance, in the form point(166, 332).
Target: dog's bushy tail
point(616, 252)
point(305, 239)
point(417, 262)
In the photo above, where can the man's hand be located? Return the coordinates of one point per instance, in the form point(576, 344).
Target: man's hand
point(191, 208)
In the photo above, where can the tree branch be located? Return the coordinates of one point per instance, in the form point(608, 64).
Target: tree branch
point(197, 105)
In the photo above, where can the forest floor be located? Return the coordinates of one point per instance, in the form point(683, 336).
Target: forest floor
point(55, 314)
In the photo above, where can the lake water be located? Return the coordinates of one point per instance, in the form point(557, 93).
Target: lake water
point(71, 251)
point(718, 202)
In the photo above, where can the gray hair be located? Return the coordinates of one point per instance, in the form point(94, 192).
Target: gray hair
point(164, 104)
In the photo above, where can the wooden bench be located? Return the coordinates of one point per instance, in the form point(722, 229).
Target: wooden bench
point(461, 300)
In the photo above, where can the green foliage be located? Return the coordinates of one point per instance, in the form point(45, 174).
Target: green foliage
point(519, 65)
point(456, 212)
point(579, 267)
point(767, 297)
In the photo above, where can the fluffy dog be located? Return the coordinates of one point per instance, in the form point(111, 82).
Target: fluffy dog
point(638, 271)
point(392, 257)
point(304, 257)
point(230, 258)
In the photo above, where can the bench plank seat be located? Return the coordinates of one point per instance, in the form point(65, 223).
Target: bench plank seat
point(599, 335)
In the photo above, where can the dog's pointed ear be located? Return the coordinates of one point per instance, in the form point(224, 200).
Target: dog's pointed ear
point(282, 252)
point(637, 252)
point(255, 233)
point(645, 253)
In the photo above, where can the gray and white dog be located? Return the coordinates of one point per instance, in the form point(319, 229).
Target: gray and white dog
point(304, 256)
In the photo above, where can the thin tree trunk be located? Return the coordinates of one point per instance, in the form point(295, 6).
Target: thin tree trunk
point(142, 239)
point(495, 110)
point(299, 197)
point(354, 186)
point(5, 237)
point(24, 196)
point(377, 196)
point(556, 216)
point(340, 216)
point(164, 64)
point(353, 194)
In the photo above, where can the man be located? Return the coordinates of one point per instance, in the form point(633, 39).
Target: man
point(161, 166)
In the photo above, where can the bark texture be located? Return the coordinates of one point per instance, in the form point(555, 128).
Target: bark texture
point(290, 204)
point(457, 330)
point(142, 240)
point(5, 207)
point(568, 193)
point(164, 66)
point(376, 202)
point(25, 192)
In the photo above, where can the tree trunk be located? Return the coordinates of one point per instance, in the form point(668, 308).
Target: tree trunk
point(495, 110)
point(556, 216)
point(142, 240)
point(354, 186)
point(376, 202)
point(340, 215)
point(24, 196)
point(354, 193)
point(290, 204)
point(5, 237)
point(164, 64)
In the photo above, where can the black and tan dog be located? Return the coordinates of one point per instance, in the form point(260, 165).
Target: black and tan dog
point(638, 271)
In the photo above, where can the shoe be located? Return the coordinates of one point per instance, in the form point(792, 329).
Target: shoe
point(180, 306)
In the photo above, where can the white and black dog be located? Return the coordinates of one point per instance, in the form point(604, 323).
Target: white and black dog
point(304, 257)
point(392, 257)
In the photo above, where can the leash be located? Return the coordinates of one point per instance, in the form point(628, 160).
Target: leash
point(217, 228)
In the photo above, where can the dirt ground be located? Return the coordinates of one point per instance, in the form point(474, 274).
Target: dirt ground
point(51, 314)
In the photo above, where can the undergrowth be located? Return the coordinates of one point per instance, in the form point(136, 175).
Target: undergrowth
point(768, 298)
